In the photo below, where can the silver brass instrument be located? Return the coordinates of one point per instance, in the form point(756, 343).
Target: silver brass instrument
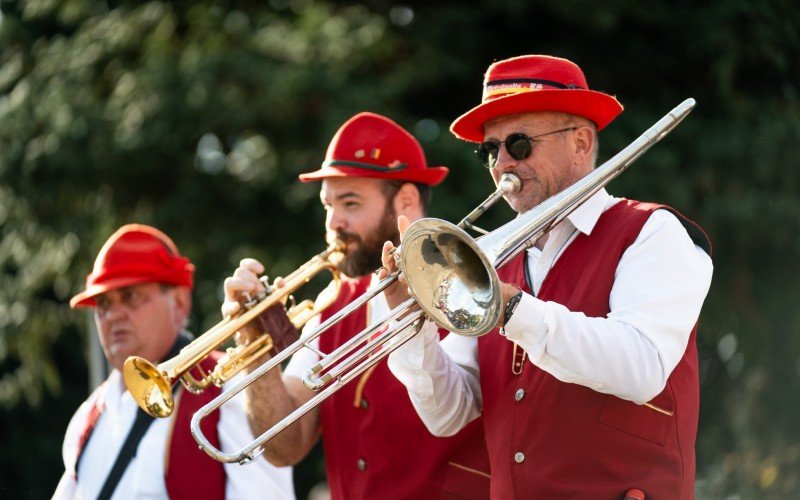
point(151, 385)
point(452, 279)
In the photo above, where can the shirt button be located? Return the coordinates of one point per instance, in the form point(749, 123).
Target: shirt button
point(519, 394)
point(361, 464)
point(363, 404)
point(519, 457)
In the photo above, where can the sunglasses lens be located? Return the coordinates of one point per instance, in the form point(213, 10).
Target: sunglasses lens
point(487, 153)
point(518, 146)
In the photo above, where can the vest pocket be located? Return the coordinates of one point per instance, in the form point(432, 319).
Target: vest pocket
point(652, 422)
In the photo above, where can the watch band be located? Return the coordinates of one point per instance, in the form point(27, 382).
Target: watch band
point(511, 306)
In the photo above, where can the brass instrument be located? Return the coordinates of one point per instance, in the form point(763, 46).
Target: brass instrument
point(452, 279)
point(509, 183)
point(151, 385)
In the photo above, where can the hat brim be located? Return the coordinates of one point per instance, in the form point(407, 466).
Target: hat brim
point(86, 297)
point(598, 107)
point(430, 176)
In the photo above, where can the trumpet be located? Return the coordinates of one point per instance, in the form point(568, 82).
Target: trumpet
point(151, 385)
point(452, 279)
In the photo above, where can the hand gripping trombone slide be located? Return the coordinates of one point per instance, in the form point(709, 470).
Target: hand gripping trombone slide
point(452, 279)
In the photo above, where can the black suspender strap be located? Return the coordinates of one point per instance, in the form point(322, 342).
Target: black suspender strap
point(140, 425)
point(126, 453)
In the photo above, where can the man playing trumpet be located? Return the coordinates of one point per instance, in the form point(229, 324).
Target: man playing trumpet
point(375, 445)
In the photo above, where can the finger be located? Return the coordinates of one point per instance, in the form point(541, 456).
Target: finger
point(245, 273)
point(279, 282)
point(387, 259)
point(402, 225)
point(253, 265)
point(230, 307)
point(234, 287)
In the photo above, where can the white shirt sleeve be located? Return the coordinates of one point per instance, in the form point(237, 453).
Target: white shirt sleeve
point(258, 479)
point(67, 486)
point(66, 489)
point(442, 378)
point(659, 288)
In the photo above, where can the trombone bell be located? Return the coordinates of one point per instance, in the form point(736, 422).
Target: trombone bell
point(452, 276)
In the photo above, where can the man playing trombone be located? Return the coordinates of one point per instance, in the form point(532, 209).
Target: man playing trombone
point(375, 444)
point(140, 290)
point(588, 387)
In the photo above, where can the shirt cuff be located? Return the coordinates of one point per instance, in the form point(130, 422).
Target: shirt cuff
point(527, 326)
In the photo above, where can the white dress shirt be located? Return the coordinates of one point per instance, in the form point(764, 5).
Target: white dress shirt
point(659, 288)
point(144, 476)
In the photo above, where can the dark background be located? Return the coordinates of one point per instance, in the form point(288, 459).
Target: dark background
point(196, 117)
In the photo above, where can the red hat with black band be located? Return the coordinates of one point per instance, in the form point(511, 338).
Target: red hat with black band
point(371, 145)
point(535, 83)
point(135, 254)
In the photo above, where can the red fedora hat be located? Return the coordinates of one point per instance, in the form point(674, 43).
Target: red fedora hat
point(535, 83)
point(371, 145)
point(135, 254)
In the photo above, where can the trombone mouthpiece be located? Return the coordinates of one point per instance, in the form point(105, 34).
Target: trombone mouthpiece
point(509, 183)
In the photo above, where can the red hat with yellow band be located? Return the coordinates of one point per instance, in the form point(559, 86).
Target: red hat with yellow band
point(535, 83)
point(135, 254)
point(371, 145)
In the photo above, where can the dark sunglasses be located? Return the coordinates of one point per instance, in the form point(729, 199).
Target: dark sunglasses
point(518, 145)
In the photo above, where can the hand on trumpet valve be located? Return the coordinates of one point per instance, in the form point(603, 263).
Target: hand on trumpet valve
point(243, 290)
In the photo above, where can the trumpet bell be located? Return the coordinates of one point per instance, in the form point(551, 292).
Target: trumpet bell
point(148, 386)
point(453, 281)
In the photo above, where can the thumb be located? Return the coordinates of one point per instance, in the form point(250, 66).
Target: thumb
point(402, 225)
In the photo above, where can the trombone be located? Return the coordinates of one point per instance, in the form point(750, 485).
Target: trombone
point(151, 385)
point(452, 279)
point(372, 352)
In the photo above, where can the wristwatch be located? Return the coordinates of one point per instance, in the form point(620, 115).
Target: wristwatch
point(512, 304)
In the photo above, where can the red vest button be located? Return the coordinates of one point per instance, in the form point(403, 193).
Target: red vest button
point(361, 464)
point(519, 394)
point(519, 457)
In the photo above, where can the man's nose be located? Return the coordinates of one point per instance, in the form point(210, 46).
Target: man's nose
point(112, 312)
point(336, 222)
point(505, 162)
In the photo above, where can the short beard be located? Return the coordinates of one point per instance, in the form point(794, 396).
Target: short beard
point(366, 258)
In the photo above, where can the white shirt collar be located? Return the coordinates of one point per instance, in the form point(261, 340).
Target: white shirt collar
point(585, 216)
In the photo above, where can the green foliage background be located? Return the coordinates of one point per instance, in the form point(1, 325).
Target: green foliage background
point(196, 117)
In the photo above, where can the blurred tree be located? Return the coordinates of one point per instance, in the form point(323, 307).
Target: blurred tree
point(183, 113)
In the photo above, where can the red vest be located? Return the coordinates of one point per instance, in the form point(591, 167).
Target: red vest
point(189, 471)
point(375, 444)
point(578, 443)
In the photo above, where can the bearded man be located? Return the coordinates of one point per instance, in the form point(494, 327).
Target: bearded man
point(375, 444)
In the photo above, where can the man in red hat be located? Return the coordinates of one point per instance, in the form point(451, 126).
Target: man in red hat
point(375, 444)
point(140, 289)
point(589, 387)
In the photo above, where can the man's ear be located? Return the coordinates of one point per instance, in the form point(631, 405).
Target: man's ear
point(584, 144)
point(182, 298)
point(406, 201)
